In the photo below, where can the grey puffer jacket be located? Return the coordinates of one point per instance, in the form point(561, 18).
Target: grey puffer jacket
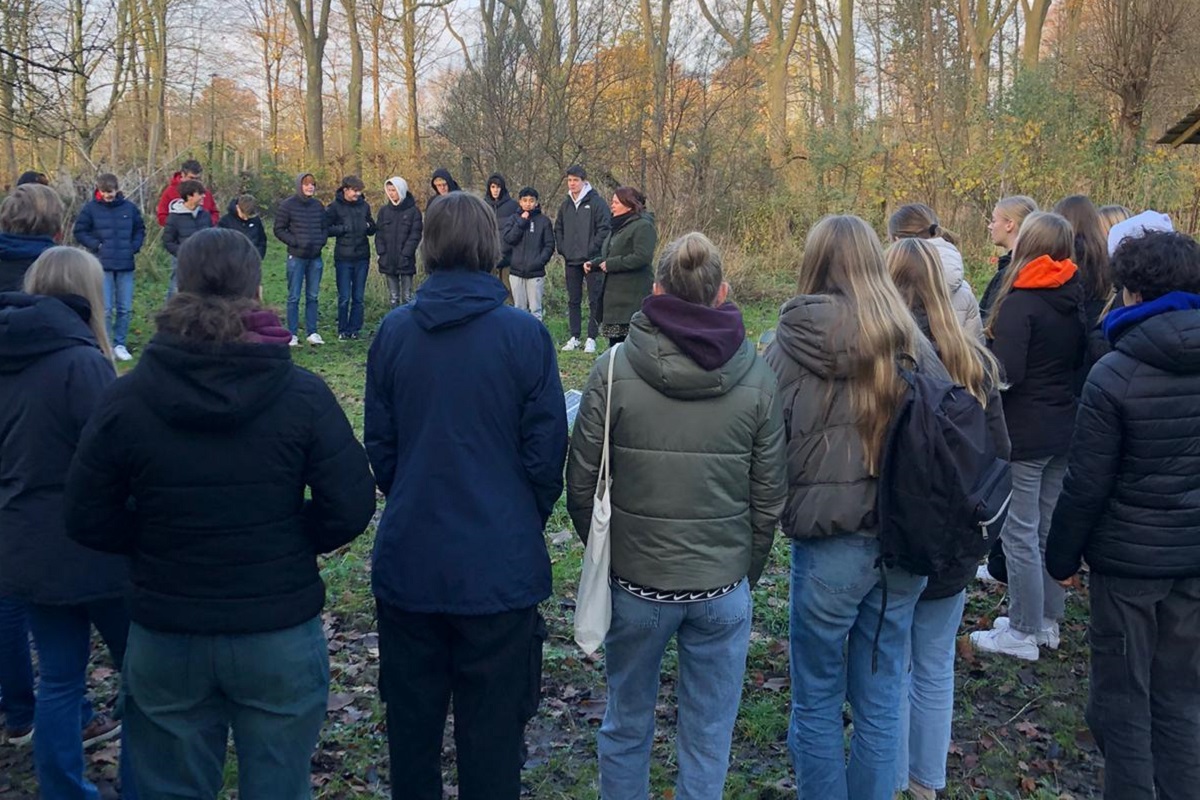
point(698, 473)
point(830, 491)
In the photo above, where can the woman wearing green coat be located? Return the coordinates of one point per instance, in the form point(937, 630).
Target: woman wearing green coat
point(626, 260)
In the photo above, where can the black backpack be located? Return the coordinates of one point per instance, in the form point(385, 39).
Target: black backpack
point(943, 489)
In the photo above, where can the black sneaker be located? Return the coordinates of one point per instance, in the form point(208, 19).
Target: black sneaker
point(343, 337)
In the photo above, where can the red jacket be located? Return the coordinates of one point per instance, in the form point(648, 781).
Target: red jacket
point(172, 192)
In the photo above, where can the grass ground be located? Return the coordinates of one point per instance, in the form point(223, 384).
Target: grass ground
point(1019, 729)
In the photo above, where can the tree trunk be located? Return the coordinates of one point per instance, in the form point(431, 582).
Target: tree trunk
point(847, 68)
point(314, 33)
point(355, 111)
point(1035, 23)
point(408, 32)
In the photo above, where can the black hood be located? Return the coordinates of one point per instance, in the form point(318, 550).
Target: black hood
point(210, 387)
point(33, 326)
point(496, 178)
point(1164, 333)
point(408, 202)
point(444, 174)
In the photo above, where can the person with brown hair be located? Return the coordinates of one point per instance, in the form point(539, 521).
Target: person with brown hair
point(30, 219)
point(700, 478)
point(928, 696)
point(625, 261)
point(836, 360)
point(1036, 331)
point(917, 220)
point(349, 221)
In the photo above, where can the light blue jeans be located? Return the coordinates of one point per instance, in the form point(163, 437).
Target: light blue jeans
point(837, 594)
point(1032, 594)
point(118, 303)
point(927, 702)
point(713, 637)
point(303, 276)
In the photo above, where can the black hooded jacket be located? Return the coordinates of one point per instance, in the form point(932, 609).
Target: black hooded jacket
point(530, 243)
point(504, 208)
point(397, 235)
point(1131, 498)
point(251, 228)
point(52, 374)
point(351, 223)
point(444, 174)
point(196, 465)
point(300, 223)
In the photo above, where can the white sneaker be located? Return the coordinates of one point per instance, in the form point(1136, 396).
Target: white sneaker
point(572, 344)
point(1006, 642)
point(121, 354)
point(315, 338)
point(295, 342)
point(589, 346)
point(1049, 636)
point(982, 574)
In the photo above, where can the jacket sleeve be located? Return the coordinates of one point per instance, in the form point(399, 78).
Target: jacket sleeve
point(164, 207)
point(996, 425)
point(587, 442)
point(333, 221)
point(558, 231)
point(370, 222)
point(210, 205)
point(170, 237)
point(381, 239)
point(1092, 466)
point(601, 227)
point(968, 308)
point(337, 473)
point(139, 229)
point(642, 256)
point(414, 238)
point(98, 509)
point(513, 230)
point(544, 429)
point(1011, 343)
point(768, 482)
point(283, 226)
point(379, 420)
point(85, 230)
point(547, 250)
point(260, 239)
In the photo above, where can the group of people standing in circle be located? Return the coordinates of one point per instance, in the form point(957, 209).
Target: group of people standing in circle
point(181, 508)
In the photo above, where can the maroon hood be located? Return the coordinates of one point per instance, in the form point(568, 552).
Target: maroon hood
point(709, 336)
point(263, 327)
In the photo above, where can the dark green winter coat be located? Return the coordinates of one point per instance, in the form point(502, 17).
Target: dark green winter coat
point(698, 472)
point(628, 255)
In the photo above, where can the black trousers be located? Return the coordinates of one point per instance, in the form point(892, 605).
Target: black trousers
point(1144, 705)
point(491, 666)
point(595, 287)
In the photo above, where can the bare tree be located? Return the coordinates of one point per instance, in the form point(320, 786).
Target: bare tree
point(312, 25)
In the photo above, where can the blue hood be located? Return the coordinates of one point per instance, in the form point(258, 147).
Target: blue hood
point(16, 246)
point(1119, 321)
point(453, 297)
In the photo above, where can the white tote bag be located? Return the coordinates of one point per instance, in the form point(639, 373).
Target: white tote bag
point(593, 601)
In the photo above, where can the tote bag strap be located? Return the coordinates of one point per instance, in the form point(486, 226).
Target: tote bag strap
point(603, 477)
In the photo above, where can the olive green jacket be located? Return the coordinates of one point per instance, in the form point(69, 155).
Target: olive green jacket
point(629, 258)
point(698, 469)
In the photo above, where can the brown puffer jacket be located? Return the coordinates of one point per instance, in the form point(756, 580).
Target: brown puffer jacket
point(829, 489)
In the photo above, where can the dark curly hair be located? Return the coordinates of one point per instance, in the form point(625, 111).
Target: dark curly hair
point(1157, 263)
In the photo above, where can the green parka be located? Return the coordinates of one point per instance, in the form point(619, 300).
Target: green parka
point(697, 456)
point(628, 254)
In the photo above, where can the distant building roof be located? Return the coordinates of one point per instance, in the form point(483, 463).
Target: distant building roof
point(1186, 131)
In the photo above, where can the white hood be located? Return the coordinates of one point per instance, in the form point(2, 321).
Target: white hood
point(179, 207)
point(583, 192)
point(1136, 226)
point(401, 187)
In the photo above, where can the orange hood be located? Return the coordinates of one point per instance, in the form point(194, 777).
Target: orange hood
point(1045, 273)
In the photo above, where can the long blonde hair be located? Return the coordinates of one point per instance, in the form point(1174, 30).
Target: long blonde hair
point(1043, 233)
point(916, 269)
point(1015, 208)
point(60, 271)
point(1111, 215)
point(843, 259)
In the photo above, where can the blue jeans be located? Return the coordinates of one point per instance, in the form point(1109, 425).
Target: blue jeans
point(303, 275)
point(173, 284)
point(1033, 596)
point(927, 701)
point(351, 284)
point(63, 635)
point(184, 692)
point(118, 291)
point(837, 594)
point(16, 666)
point(713, 636)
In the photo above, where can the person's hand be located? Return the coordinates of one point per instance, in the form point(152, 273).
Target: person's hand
point(524, 215)
point(1070, 583)
point(604, 266)
point(587, 267)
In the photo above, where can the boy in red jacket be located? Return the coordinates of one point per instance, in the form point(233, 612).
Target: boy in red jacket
point(189, 170)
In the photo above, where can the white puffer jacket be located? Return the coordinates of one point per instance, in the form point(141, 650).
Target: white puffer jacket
point(966, 307)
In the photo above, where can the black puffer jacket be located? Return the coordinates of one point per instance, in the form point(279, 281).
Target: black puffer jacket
point(351, 223)
point(397, 235)
point(196, 465)
point(1131, 499)
point(251, 228)
point(504, 207)
point(300, 223)
point(989, 292)
point(580, 230)
point(531, 243)
point(1039, 341)
point(52, 374)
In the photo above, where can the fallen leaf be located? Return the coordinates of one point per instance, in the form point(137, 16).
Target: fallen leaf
point(338, 700)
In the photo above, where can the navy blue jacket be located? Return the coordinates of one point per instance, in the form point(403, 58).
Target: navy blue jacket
point(113, 232)
point(17, 253)
point(52, 375)
point(466, 430)
point(300, 224)
point(251, 228)
point(1130, 503)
